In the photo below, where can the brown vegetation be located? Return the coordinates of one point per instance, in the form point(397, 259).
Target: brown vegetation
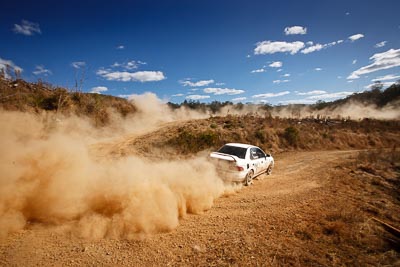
point(37, 97)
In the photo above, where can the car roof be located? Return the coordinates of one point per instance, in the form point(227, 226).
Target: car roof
point(239, 145)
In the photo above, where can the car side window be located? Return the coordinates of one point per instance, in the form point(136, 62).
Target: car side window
point(260, 153)
point(253, 153)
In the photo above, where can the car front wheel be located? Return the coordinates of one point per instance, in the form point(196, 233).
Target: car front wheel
point(269, 170)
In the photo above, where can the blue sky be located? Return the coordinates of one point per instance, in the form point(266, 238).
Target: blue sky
point(248, 51)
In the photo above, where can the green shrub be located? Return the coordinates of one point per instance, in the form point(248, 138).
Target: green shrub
point(291, 135)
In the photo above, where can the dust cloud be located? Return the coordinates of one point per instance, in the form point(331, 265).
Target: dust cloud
point(49, 176)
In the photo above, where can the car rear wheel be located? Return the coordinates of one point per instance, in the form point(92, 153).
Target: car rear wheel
point(248, 179)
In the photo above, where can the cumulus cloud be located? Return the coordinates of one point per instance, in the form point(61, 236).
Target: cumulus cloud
point(354, 61)
point(318, 69)
point(258, 71)
point(315, 92)
point(197, 97)
point(4, 64)
point(286, 75)
point(27, 28)
point(280, 81)
point(276, 64)
point(238, 99)
point(381, 44)
point(386, 78)
point(41, 70)
point(196, 84)
point(295, 30)
point(99, 89)
point(380, 61)
point(355, 37)
point(78, 64)
point(125, 76)
point(271, 47)
point(223, 91)
point(269, 95)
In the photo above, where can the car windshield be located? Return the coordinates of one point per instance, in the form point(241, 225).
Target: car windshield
point(239, 152)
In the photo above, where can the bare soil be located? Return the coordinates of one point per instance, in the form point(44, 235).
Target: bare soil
point(314, 210)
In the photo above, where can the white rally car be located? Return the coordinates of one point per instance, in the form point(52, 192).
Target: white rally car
point(241, 163)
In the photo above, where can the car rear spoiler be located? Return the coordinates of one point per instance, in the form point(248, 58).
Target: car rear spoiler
point(223, 156)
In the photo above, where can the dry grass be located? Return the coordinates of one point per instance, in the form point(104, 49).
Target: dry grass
point(38, 97)
point(273, 134)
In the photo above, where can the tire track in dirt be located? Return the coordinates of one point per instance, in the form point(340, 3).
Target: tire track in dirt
point(255, 226)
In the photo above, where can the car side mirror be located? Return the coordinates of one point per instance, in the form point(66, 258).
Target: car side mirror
point(267, 155)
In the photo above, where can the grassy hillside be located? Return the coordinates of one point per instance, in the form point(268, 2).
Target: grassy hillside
point(22, 96)
point(272, 134)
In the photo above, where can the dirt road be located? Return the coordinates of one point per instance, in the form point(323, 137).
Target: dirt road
point(276, 221)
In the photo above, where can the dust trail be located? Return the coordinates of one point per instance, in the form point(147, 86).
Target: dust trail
point(48, 176)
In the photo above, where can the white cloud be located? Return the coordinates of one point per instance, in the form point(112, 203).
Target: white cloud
point(295, 30)
point(223, 91)
point(384, 85)
point(280, 81)
point(197, 97)
point(276, 64)
point(310, 43)
point(297, 101)
point(354, 61)
point(269, 95)
point(238, 99)
point(286, 75)
point(271, 47)
point(219, 84)
point(248, 56)
point(318, 69)
point(381, 44)
point(329, 96)
point(356, 37)
point(386, 78)
point(125, 76)
point(313, 48)
point(129, 65)
point(258, 70)
point(99, 89)
point(41, 70)
point(318, 47)
point(78, 64)
point(279, 70)
point(315, 92)
point(347, 13)
point(380, 61)
point(197, 84)
point(178, 95)
point(27, 28)
point(120, 47)
point(4, 64)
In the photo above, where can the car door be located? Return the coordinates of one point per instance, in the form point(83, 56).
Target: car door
point(257, 158)
point(263, 160)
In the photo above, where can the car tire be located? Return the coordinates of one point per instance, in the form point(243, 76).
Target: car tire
point(269, 169)
point(248, 179)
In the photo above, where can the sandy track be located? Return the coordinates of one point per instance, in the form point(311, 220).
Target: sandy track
point(259, 225)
